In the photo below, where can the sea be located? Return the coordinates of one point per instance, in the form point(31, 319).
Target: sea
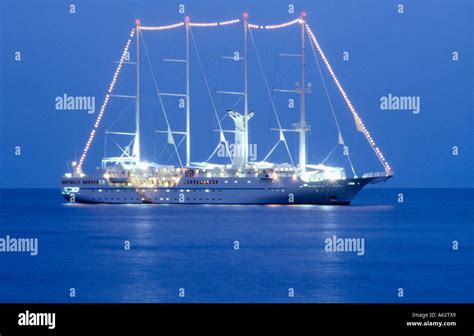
point(418, 248)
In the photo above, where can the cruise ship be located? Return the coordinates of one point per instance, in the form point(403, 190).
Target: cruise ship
point(126, 178)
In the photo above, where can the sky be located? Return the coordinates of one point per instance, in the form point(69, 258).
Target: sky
point(425, 53)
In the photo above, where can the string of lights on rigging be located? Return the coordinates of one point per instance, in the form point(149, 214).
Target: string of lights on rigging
point(276, 26)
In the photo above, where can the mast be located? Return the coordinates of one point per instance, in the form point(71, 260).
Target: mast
point(246, 96)
point(302, 149)
point(136, 144)
point(188, 107)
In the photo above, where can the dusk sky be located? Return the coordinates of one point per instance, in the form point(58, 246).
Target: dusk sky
point(424, 52)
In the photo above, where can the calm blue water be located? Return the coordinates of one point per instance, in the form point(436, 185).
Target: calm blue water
point(407, 245)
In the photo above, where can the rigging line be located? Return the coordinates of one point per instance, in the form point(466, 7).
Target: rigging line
point(276, 67)
point(225, 116)
point(105, 147)
point(214, 152)
point(326, 89)
point(277, 57)
point(154, 151)
point(331, 106)
point(130, 144)
point(205, 78)
point(350, 162)
point(238, 101)
point(269, 93)
point(163, 147)
point(209, 93)
point(121, 155)
point(330, 153)
point(361, 163)
point(271, 151)
point(179, 143)
point(120, 115)
point(283, 73)
point(120, 147)
point(160, 99)
point(217, 82)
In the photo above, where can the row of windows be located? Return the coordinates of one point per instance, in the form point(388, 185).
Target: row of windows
point(201, 182)
point(188, 199)
point(118, 199)
point(90, 182)
point(71, 182)
point(76, 182)
point(188, 190)
point(116, 190)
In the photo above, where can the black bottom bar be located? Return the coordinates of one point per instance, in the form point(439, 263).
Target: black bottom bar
point(406, 319)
